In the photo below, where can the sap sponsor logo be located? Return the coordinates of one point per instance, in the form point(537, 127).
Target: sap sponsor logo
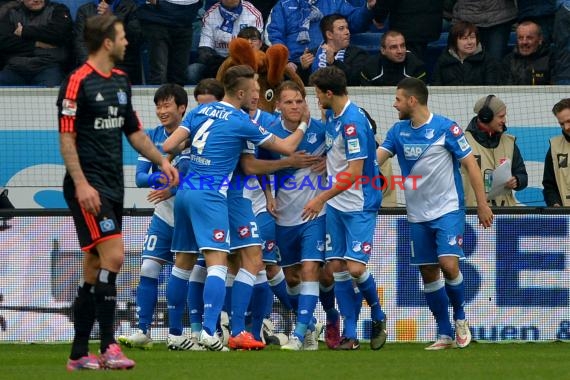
point(219, 235)
point(414, 151)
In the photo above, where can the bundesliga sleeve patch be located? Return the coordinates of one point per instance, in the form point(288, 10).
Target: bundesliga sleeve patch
point(350, 130)
point(353, 146)
point(68, 107)
point(463, 144)
point(455, 130)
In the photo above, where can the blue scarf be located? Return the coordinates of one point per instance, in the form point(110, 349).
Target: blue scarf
point(309, 13)
point(229, 16)
point(321, 58)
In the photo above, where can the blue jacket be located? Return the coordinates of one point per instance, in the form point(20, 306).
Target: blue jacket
point(285, 23)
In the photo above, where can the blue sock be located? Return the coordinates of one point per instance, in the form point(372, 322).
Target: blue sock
point(455, 290)
point(214, 293)
point(242, 289)
point(367, 287)
point(293, 294)
point(345, 298)
point(358, 297)
point(176, 294)
point(279, 288)
point(230, 278)
point(326, 296)
point(258, 303)
point(439, 305)
point(307, 303)
point(196, 297)
point(147, 293)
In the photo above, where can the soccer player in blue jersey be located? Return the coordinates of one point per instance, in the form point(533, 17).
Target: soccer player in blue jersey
point(171, 101)
point(301, 243)
point(352, 204)
point(430, 150)
point(218, 133)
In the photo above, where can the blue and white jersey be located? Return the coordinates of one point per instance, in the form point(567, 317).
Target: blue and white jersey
point(349, 136)
point(295, 187)
point(430, 153)
point(144, 166)
point(218, 134)
point(253, 190)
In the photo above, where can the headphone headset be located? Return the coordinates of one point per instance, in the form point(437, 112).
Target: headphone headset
point(486, 114)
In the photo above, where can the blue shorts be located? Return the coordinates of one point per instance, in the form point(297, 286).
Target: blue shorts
point(243, 227)
point(350, 234)
point(200, 221)
point(304, 242)
point(440, 237)
point(158, 240)
point(266, 224)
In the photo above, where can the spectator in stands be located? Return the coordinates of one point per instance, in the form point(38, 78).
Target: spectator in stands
point(220, 24)
point(167, 31)
point(392, 64)
point(253, 35)
point(418, 20)
point(125, 10)
point(34, 40)
point(561, 36)
point(465, 62)
point(494, 18)
point(492, 147)
point(295, 23)
point(556, 176)
point(529, 63)
point(541, 12)
point(336, 50)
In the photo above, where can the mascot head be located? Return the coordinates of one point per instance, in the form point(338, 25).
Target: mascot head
point(271, 67)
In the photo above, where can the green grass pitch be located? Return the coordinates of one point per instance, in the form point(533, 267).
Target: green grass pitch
point(394, 361)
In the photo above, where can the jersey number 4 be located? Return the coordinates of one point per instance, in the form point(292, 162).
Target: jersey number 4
point(199, 140)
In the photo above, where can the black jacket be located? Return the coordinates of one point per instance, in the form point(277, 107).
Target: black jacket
point(518, 168)
point(535, 69)
point(354, 60)
point(52, 25)
point(126, 12)
point(478, 69)
point(379, 71)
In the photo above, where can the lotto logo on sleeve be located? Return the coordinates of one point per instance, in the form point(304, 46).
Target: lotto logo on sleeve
point(366, 248)
point(455, 130)
point(219, 235)
point(350, 130)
